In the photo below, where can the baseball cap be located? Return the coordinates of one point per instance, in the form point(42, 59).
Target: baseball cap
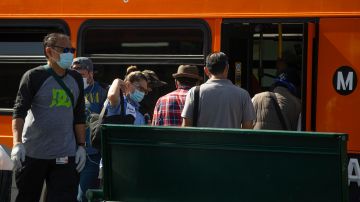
point(84, 62)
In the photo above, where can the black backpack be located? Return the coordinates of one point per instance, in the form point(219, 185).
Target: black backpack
point(97, 119)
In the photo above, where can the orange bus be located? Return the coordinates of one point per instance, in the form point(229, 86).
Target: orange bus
point(321, 38)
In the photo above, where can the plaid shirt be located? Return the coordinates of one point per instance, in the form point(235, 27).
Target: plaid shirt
point(168, 108)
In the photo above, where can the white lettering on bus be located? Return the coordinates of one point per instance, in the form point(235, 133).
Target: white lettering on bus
point(344, 84)
point(354, 167)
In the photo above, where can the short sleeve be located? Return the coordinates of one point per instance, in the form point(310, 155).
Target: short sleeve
point(113, 110)
point(189, 105)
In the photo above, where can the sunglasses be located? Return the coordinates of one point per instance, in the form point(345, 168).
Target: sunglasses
point(66, 50)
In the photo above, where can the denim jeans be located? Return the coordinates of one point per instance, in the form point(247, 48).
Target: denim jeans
point(89, 176)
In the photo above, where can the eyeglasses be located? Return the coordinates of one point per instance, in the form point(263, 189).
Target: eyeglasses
point(140, 88)
point(66, 50)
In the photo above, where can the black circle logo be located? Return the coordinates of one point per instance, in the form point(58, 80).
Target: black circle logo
point(345, 80)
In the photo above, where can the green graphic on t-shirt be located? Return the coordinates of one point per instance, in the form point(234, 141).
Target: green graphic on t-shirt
point(60, 98)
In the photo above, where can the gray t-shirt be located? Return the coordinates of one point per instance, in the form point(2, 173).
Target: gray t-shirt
point(221, 104)
point(49, 116)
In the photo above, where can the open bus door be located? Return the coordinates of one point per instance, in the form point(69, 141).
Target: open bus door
point(337, 92)
point(255, 47)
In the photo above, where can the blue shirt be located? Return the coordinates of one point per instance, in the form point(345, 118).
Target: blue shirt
point(95, 96)
point(131, 108)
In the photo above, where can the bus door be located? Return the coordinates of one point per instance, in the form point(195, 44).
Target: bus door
point(337, 94)
point(259, 49)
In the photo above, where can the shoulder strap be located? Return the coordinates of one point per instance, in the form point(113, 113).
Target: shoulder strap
point(122, 104)
point(103, 110)
point(278, 111)
point(196, 106)
point(61, 83)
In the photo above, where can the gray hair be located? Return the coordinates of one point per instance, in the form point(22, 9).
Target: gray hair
point(51, 40)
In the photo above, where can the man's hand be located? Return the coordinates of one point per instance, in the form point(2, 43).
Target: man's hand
point(80, 158)
point(18, 155)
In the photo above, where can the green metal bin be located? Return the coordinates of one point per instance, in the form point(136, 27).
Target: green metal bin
point(205, 164)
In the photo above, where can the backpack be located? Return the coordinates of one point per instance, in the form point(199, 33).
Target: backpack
point(97, 119)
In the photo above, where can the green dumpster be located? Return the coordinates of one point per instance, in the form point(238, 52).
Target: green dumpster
point(203, 164)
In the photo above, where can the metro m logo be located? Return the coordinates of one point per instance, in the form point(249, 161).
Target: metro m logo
point(345, 84)
point(344, 80)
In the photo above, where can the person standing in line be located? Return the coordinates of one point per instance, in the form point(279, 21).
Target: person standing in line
point(148, 103)
point(95, 96)
point(221, 103)
point(49, 126)
point(284, 96)
point(136, 87)
point(133, 88)
point(168, 108)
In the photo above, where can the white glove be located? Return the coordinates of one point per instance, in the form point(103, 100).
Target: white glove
point(18, 155)
point(80, 158)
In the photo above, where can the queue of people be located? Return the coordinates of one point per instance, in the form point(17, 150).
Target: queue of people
point(52, 140)
point(95, 96)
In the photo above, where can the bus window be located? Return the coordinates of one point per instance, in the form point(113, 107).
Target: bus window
point(21, 49)
point(158, 45)
point(144, 41)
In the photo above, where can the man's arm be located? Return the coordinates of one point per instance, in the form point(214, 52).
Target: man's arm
point(187, 112)
point(187, 122)
point(80, 156)
point(156, 113)
point(249, 115)
point(17, 128)
point(80, 133)
point(247, 125)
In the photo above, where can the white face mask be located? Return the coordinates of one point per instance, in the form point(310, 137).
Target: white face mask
point(85, 83)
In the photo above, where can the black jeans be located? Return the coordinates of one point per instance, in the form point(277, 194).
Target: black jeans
point(61, 180)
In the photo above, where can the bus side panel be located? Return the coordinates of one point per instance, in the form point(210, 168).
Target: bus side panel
point(309, 76)
point(339, 45)
point(215, 26)
point(5, 131)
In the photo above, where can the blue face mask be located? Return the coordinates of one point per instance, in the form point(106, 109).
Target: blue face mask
point(137, 95)
point(65, 60)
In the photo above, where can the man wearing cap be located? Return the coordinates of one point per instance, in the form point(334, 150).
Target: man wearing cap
point(221, 103)
point(95, 95)
point(168, 108)
point(285, 89)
